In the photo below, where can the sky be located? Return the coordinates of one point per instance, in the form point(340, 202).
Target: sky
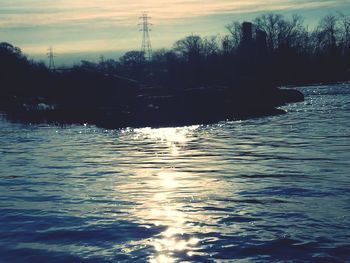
point(107, 27)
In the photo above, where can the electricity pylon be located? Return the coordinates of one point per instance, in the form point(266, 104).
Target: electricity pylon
point(146, 46)
point(51, 56)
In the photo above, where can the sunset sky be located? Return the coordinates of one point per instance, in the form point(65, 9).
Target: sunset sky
point(111, 25)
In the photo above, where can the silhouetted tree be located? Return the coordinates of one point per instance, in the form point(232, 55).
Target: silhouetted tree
point(326, 35)
point(190, 47)
point(210, 46)
point(8, 49)
point(274, 50)
point(344, 32)
point(279, 30)
point(133, 64)
point(233, 40)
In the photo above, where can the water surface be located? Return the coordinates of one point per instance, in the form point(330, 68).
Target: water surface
point(271, 189)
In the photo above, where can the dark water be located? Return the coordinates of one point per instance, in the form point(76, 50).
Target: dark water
point(273, 189)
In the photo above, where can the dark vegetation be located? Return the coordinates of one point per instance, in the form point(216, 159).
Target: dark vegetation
point(199, 80)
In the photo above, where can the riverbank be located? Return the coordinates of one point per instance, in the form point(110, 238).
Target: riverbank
point(31, 92)
point(129, 104)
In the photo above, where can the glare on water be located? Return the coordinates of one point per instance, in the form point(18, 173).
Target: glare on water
point(260, 190)
point(165, 183)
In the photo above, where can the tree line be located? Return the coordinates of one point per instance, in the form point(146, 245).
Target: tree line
point(273, 50)
point(204, 78)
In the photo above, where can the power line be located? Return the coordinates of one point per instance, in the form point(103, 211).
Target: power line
point(146, 46)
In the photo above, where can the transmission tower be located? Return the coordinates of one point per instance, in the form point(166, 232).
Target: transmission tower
point(51, 56)
point(146, 47)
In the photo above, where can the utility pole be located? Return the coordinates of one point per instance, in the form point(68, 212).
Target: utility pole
point(146, 47)
point(51, 56)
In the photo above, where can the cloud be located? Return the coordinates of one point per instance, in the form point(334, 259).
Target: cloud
point(105, 24)
point(37, 13)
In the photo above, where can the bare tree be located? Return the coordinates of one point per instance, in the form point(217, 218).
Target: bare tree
point(344, 33)
point(270, 23)
point(325, 35)
point(235, 36)
point(210, 45)
point(281, 31)
point(189, 47)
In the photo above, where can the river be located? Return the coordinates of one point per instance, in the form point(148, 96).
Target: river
point(270, 189)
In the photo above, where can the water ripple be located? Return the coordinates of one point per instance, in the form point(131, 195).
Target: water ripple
point(272, 189)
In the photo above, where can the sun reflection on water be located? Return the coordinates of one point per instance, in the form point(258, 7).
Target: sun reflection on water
point(163, 207)
point(169, 135)
point(168, 212)
point(171, 184)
